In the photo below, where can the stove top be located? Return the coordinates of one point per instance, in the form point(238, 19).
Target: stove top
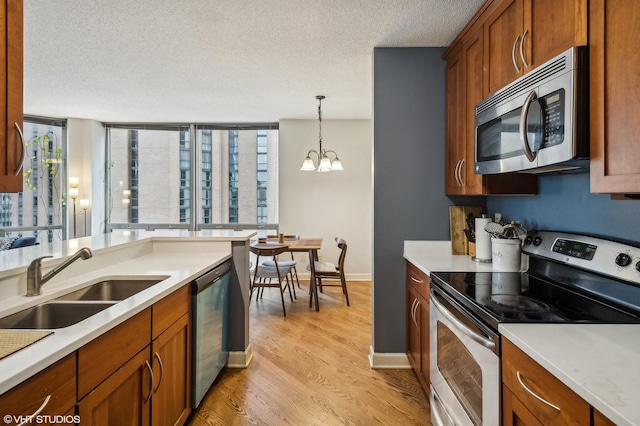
point(569, 280)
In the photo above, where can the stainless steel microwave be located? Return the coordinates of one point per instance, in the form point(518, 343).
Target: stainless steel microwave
point(538, 123)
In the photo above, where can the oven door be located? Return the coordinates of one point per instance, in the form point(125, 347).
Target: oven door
point(464, 366)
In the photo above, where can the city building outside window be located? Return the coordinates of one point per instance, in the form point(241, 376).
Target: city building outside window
point(40, 208)
point(151, 176)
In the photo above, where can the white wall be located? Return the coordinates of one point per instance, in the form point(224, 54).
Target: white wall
point(86, 160)
point(334, 204)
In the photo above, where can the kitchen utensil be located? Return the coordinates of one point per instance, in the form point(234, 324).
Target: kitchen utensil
point(470, 235)
point(495, 229)
point(513, 230)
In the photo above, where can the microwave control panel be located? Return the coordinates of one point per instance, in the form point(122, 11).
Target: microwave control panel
point(553, 107)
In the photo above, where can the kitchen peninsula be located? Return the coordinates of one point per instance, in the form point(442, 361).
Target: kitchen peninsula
point(176, 257)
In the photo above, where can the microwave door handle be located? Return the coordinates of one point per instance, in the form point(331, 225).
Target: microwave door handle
point(531, 156)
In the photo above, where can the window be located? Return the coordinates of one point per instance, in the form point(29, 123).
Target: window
point(151, 176)
point(40, 208)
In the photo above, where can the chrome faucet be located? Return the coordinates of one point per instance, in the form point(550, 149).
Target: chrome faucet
point(35, 280)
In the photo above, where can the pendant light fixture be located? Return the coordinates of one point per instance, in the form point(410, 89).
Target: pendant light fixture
point(325, 164)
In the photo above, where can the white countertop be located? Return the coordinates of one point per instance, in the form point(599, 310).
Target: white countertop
point(600, 362)
point(180, 257)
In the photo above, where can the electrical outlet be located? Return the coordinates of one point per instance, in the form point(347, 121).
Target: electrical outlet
point(497, 217)
point(303, 258)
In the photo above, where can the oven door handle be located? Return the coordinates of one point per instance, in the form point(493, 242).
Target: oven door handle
point(461, 326)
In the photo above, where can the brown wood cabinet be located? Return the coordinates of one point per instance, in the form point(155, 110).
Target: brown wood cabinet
point(123, 398)
point(523, 379)
point(11, 114)
point(503, 41)
point(615, 106)
point(418, 285)
point(464, 89)
point(57, 383)
point(523, 34)
point(147, 380)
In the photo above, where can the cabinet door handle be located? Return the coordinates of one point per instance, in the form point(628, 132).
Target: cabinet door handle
point(413, 306)
point(414, 312)
point(457, 173)
point(29, 419)
point(524, 61)
point(460, 172)
point(513, 54)
point(22, 150)
point(414, 279)
point(156, 355)
point(519, 376)
point(151, 381)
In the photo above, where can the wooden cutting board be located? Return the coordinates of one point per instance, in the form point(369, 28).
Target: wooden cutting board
point(457, 221)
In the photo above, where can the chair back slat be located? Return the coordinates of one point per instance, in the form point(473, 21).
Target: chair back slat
point(342, 245)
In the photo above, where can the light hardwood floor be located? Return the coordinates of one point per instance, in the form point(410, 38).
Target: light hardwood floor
point(312, 368)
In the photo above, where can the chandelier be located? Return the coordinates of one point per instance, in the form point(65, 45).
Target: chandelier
point(325, 164)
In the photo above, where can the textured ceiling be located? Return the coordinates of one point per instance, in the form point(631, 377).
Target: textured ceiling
point(219, 60)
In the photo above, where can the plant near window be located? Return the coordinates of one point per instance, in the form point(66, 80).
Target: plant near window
point(44, 156)
point(51, 159)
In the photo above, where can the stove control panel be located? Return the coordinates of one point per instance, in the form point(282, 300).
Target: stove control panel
point(618, 260)
point(574, 248)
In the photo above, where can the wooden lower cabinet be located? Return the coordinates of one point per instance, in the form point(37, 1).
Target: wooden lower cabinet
point(418, 284)
point(171, 399)
point(124, 398)
point(145, 381)
point(533, 396)
point(57, 383)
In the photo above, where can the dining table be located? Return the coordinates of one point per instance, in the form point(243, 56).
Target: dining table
point(302, 245)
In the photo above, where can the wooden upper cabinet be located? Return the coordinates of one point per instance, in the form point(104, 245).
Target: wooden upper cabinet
point(551, 27)
point(615, 105)
point(11, 115)
point(503, 30)
point(523, 34)
point(455, 138)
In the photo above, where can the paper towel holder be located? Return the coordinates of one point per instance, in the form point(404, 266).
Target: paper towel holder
point(483, 241)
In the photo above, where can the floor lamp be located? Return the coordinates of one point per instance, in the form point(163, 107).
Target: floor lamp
point(84, 204)
point(74, 182)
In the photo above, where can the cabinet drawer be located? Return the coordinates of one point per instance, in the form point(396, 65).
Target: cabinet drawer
point(419, 280)
point(57, 381)
point(104, 355)
point(170, 309)
point(520, 372)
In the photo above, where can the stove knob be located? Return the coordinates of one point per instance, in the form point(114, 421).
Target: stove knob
point(528, 240)
point(623, 259)
point(537, 241)
point(638, 266)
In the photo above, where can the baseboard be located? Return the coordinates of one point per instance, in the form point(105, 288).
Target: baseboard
point(240, 359)
point(389, 360)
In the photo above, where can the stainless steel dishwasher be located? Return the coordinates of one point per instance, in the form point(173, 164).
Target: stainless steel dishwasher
point(210, 328)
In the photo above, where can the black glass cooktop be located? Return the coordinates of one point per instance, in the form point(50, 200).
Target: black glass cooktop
point(519, 297)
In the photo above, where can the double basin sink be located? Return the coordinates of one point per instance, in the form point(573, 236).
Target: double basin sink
point(78, 305)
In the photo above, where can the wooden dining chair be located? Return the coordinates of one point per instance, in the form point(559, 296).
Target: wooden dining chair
point(270, 276)
point(333, 271)
point(292, 262)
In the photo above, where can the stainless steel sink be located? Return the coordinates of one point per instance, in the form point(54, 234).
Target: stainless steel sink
point(52, 315)
point(114, 289)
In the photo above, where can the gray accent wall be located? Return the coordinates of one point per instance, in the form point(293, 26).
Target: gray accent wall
point(408, 177)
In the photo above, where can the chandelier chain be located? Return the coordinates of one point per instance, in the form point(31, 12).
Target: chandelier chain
point(320, 122)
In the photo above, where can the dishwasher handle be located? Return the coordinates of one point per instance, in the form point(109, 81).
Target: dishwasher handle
point(207, 280)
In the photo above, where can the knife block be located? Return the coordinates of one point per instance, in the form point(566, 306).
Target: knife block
point(457, 223)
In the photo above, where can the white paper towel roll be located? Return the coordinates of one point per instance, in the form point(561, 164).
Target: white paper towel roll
point(483, 240)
